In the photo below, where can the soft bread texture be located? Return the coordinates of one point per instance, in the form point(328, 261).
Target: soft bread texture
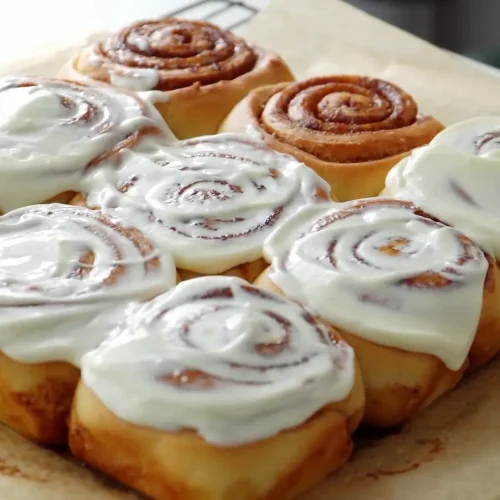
point(248, 271)
point(349, 180)
point(399, 384)
point(200, 109)
point(486, 343)
point(62, 197)
point(35, 399)
point(183, 466)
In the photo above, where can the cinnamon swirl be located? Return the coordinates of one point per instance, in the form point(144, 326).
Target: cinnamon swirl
point(67, 274)
point(52, 131)
point(209, 201)
point(350, 129)
point(238, 384)
point(411, 295)
point(196, 70)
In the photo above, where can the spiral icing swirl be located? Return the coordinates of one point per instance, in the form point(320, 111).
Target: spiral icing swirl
point(210, 201)
point(217, 355)
point(66, 275)
point(385, 271)
point(346, 118)
point(51, 131)
point(456, 179)
point(168, 54)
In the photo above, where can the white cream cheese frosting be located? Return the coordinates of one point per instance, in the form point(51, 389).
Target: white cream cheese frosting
point(381, 270)
point(51, 131)
point(67, 275)
point(138, 79)
point(222, 357)
point(210, 201)
point(456, 179)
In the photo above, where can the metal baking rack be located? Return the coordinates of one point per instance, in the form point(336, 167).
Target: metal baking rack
point(227, 14)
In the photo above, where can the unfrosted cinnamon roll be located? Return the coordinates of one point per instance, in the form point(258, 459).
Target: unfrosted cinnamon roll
point(197, 70)
point(456, 179)
point(52, 131)
point(350, 129)
point(412, 296)
point(209, 201)
point(67, 274)
point(218, 390)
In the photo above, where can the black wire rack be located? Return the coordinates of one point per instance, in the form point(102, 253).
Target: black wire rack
point(227, 14)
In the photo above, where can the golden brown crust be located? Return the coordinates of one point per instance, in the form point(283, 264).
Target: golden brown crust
point(63, 198)
point(191, 107)
point(183, 466)
point(248, 271)
point(399, 384)
point(486, 343)
point(35, 399)
point(79, 201)
point(200, 110)
point(353, 156)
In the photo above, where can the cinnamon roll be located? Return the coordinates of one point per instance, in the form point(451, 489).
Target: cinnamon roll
point(52, 131)
point(209, 201)
point(67, 275)
point(456, 179)
point(412, 296)
point(350, 129)
point(196, 70)
point(238, 384)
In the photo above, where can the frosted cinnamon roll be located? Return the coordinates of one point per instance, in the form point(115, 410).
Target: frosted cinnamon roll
point(239, 384)
point(52, 131)
point(196, 70)
point(456, 179)
point(350, 129)
point(209, 201)
point(412, 296)
point(67, 275)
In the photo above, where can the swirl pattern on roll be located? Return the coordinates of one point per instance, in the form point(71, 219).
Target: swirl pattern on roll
point(217, 355)
point(210, 201)
point(456, 179)
point(67, 274)
point(169, 54)
point(51, 131)
point(346, 119)
point(383, 270)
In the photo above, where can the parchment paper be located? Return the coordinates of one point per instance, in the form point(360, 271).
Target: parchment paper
point(327, 36)
point(451, 452)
